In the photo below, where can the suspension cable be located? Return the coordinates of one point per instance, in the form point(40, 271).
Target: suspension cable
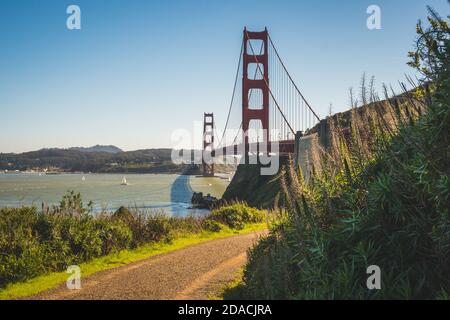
point(234, 91)
point(290, 78)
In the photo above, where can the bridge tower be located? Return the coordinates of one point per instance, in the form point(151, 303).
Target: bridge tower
point(208, 144)
point(249, 112)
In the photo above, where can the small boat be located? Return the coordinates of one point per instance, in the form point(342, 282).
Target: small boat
point(83, 178)
point(124, 182)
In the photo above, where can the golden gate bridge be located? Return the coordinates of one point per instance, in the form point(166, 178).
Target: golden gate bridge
point(269, 107)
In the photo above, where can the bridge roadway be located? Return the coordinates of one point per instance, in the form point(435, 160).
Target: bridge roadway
point(284, 147)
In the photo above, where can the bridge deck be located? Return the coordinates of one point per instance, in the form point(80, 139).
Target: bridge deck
point(284, 147)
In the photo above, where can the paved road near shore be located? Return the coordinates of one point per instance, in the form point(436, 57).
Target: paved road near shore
point(194, 272)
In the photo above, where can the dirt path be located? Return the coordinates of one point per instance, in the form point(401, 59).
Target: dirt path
point(194, 272)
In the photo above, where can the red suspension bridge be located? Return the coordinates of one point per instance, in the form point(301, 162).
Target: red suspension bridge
point(272, 108)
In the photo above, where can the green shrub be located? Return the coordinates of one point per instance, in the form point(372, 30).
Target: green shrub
point(25, 260)
point(21, 255)
point(123, 214)
point(212, 225)
point(115, 235)
point(236, 216)
point(158, 227)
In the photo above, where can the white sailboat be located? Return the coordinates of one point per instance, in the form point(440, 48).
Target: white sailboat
point(83, 178)
point(124, 182)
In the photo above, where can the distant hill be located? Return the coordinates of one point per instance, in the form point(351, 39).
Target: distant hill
point(94, 159)
point(98, 148)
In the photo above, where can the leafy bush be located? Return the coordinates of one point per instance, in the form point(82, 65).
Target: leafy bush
point(212, 225)
point(21, 255)
point(237, 215)
point(158, 227)
point(154, 226)
point(115, 235)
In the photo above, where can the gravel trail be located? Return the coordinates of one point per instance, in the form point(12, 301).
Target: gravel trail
point(194, 272)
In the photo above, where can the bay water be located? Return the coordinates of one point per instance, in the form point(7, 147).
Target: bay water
point(169, 192)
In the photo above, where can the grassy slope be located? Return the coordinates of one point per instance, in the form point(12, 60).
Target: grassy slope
point(51, 280)
point(250, 186)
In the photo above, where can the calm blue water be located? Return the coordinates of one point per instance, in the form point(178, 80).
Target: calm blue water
point(172, 193)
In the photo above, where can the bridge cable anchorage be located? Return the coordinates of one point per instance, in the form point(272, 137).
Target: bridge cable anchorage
point(267, 84)
point(290, 78)
point(232, 96)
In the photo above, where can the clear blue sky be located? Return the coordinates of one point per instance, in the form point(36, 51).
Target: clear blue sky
point(137, 70)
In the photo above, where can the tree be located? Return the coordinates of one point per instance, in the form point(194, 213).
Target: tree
point(432, 50)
